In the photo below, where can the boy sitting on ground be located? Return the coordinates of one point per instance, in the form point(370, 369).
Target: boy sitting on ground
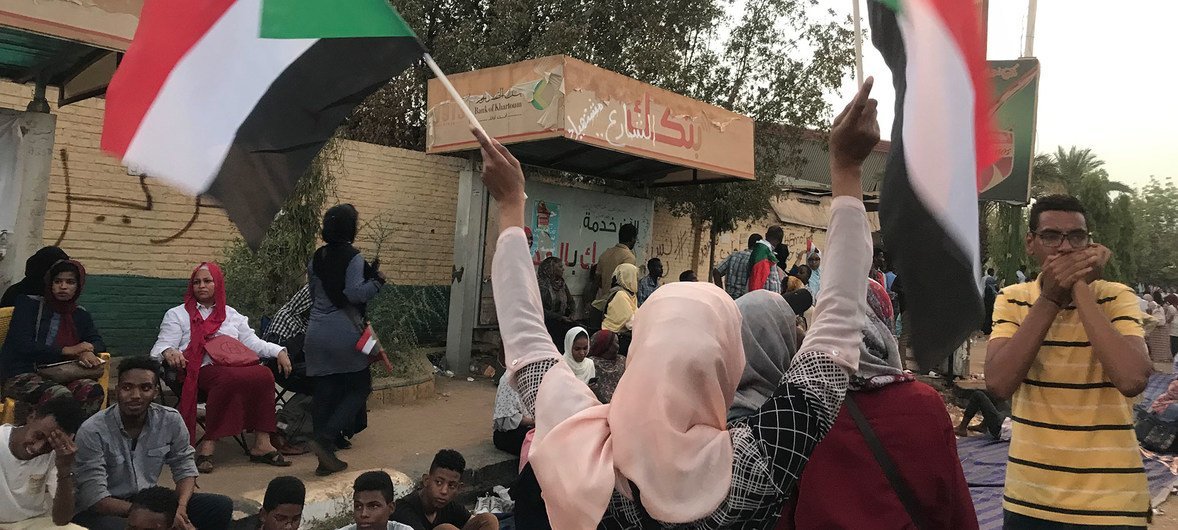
point(154, 509)
point(372, 503)
point(282, 507)
point(433, 506)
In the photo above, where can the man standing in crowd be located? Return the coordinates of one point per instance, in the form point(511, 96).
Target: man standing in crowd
point(123, 449)
point(36, 467)
point(648, 284)
point(1021, 274)
point(733, 273)
point(433, 507)
point(621, 253)
point(1068, 351)
point(763, 270)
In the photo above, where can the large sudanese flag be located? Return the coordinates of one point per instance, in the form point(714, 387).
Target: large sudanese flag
point(941, 142)
point(234, 98)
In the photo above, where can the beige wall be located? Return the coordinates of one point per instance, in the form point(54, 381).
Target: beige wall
point(102, 217)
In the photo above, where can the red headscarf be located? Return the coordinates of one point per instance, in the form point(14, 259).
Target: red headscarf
point(67, 331)
point(201, 330)
point(602, 340)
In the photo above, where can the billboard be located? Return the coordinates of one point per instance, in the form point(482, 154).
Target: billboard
point(1016, 93)
point(561, 98)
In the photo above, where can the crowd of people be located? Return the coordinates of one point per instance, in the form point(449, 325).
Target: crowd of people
point(685, 405)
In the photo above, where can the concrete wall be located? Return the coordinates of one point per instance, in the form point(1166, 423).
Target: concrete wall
point(139, 239)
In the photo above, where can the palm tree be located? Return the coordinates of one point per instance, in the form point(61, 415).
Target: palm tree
point(1068, 171)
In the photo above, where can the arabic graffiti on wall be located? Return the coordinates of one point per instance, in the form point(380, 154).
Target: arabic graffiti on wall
point(147, 205)
point(591, 224)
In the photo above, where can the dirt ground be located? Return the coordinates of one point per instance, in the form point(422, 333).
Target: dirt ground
point(402, 438)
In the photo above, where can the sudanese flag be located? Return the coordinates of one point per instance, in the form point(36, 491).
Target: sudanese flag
point(234, 98)
point(761, 265)
point(941, 143)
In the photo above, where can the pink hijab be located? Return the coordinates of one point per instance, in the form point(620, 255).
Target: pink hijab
point(665, 429)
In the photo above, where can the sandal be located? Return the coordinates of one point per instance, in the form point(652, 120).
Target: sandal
point(204, 464)
point(273, 458)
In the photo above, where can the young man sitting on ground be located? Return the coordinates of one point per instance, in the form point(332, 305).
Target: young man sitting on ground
point(154, 509)
point(36, 466)
point(372, 503)
point(282, 507)
point(122, 451)
point(433, 506)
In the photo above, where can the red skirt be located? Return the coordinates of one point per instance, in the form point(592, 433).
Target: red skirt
point(237, 399)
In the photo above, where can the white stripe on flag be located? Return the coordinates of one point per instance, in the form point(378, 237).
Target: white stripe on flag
point(187, 131)
point(938, 130)
point(369, 345)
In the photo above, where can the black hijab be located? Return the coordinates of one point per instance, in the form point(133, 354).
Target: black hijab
point(36, 267)
point(330, 263)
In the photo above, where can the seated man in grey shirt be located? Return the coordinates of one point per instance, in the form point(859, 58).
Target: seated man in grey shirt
point(123, 449)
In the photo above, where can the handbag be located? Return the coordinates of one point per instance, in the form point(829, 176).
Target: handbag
point(228, 351)
point(899, 485)
point(1153, 433)
point(64, 372)
point(69, 371)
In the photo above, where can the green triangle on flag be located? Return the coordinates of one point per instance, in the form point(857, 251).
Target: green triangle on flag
point(323, 19)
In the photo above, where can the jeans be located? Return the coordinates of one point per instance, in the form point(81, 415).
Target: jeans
point(338, 405)
point(1014, 521)
point(207, 511)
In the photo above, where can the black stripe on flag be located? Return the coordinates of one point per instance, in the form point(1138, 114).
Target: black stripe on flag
point(295, 118)
point(943, 304)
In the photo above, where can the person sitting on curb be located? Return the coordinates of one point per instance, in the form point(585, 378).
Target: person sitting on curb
point(433, 506)
point(372, 503)
point(36, 467)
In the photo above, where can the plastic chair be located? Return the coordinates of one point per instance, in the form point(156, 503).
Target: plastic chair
point(8, 407)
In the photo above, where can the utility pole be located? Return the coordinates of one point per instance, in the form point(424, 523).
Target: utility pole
point(1029, 46)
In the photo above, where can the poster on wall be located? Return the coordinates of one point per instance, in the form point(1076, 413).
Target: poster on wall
point(545, 227)
point(578, 226)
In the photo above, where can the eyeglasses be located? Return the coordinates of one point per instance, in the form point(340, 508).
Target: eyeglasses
point(1052, 238)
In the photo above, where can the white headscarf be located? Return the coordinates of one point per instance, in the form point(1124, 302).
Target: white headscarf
point(584, 370)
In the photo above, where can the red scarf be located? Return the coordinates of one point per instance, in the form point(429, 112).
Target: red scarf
point(67, 331)
point(201, 330)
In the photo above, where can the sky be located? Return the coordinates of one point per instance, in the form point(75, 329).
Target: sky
point(1108, 78)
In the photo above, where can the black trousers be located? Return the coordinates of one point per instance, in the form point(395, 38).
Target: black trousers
point(510, 441)
point(207, 511)
point(1014, 521)
point(339, 405)
point(992, 420)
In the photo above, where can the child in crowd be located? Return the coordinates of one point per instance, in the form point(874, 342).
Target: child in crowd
point(282, 507)
point(433, 506)
point(372, 503)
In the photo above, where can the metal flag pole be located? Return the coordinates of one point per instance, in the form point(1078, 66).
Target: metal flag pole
point(470, 117)
point(858, 43)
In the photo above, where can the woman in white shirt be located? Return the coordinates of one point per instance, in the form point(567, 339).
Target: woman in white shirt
point(218, 362)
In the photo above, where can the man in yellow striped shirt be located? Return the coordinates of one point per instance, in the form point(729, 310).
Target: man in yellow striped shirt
point(1068, 350)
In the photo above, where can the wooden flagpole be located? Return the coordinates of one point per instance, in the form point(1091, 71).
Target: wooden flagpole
point(470, 117)
point(858, 43)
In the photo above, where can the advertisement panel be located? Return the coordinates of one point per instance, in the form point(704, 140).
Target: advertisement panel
point(1016, 91)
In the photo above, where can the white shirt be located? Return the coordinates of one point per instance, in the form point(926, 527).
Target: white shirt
point(393, 525)
point(26, 486)
point(176, 332)
point(1022, 278)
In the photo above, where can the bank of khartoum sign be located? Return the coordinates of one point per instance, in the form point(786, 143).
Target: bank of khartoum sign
point(568, 114)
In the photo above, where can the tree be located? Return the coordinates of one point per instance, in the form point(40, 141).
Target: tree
point(1109, 204)
point(1155, 209)
point(259, 282)
point(774, 63)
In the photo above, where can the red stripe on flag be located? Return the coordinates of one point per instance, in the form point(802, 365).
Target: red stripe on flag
point(961, 19)
point(167, 30)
